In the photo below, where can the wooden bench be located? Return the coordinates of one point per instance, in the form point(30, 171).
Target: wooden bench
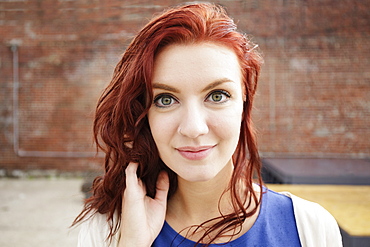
point(316, 171)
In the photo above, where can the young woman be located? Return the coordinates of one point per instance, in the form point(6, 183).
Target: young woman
point(181, 154)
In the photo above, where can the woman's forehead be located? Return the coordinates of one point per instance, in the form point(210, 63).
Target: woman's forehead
point(195, 62)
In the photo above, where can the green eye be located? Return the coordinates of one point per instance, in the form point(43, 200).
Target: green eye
point(164, 101)
point(219, 96)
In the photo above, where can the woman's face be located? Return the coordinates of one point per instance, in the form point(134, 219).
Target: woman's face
point(197, 110)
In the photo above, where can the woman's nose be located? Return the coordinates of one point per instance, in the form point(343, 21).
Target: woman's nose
point(193, 122)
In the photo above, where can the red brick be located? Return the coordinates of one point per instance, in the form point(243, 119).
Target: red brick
point(312, 99)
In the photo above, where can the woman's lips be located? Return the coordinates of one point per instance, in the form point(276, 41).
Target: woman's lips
point(195, 153)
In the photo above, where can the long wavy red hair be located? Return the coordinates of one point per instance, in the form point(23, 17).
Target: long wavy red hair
point(121, 126)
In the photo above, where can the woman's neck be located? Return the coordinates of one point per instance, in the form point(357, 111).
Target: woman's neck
point(196, 202)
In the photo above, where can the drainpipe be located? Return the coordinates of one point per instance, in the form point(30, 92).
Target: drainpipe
point(14, 48)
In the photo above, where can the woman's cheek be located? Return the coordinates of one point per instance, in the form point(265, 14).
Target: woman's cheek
point(161, 125)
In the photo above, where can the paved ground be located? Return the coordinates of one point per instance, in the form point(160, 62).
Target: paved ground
point(38, 212)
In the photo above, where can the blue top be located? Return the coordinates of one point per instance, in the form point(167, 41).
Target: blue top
point(275, 226)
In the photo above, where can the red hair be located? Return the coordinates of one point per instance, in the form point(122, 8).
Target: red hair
point(121, 126)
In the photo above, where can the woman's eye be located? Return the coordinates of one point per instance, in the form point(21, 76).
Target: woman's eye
point(164, 101)
point(219, 96)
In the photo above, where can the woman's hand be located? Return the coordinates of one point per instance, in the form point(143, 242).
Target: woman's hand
point(142, 216)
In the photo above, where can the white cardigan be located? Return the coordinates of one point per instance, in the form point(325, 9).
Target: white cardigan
point(316, 227)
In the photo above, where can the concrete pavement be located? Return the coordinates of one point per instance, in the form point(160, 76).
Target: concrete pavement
point(38, 212)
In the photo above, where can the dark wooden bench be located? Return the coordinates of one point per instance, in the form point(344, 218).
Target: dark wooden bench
point(316, 171)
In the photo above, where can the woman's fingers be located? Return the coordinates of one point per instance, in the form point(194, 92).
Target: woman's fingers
point(135, 189)
point(142, 216)
point(133, 183)
point(131, 177)
point(163, 185)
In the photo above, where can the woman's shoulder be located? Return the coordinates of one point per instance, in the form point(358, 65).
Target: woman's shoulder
point(277, 199)
point(315, 224)
point(94, 232)
point(310, 211)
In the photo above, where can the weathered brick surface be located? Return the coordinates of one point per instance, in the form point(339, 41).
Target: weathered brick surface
point(313, 98)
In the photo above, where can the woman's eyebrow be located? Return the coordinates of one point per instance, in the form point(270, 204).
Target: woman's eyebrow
point(207, 88)
point(165, 87)
point(216, 83)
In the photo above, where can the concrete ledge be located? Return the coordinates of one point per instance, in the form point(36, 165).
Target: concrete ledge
point(316, 171)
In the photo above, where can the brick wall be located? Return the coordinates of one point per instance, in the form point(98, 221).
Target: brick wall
point(313, 98)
